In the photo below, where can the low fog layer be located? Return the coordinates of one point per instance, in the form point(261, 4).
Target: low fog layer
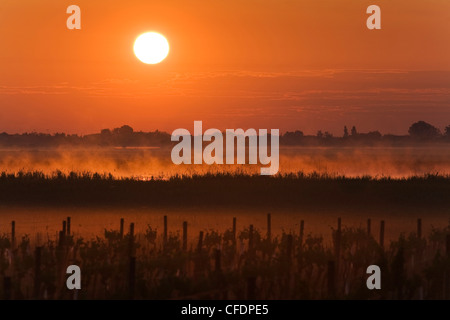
point(145, 163)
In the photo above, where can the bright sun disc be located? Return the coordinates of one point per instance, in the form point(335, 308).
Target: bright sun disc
point(151, 47)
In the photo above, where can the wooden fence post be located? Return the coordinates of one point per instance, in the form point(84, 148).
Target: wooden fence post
point(185, 228)
point(269, 227)
point(300, 246)
point(302, 228)
point(61, 239)
point(199, 262)
point(13, 233)
point(250, 238)
point(338, 245)
point(68, 225)
point(200, 242)
point(234, 228)
point(419, 228)
point(165, 233)
point(131, 240)
point(121, 228)
point(382, 234)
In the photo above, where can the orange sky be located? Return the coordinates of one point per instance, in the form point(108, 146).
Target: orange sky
point(287, 64)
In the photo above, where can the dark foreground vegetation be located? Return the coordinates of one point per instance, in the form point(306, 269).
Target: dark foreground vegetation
point(236, 264)
point(225, 190)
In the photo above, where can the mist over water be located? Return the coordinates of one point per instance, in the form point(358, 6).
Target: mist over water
point(147, 163)
point(395, 162)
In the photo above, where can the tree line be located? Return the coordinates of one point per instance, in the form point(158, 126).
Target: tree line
point(125, 136)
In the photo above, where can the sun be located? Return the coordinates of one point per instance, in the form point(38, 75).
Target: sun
point(151, 47)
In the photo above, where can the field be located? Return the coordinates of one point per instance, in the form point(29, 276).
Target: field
point(238, 263)
point(229, 234)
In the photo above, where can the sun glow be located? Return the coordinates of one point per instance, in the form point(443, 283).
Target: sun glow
point(151, 47)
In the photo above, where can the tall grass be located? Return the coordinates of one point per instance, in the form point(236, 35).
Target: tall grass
point(225, 265)
point(224, 190)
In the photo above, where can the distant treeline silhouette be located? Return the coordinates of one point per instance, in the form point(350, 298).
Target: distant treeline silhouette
point(125, 136)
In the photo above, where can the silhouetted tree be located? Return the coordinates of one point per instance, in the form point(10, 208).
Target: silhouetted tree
point(354, 132)
point(292, 137)
point(105, 137)
point(296, 134)
point(124, 135)
point(423, 130)
point(124, 130)
point(105, 132)
point(447, 131)
point(345, 132)
point(374, 134)
point(319, 134)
